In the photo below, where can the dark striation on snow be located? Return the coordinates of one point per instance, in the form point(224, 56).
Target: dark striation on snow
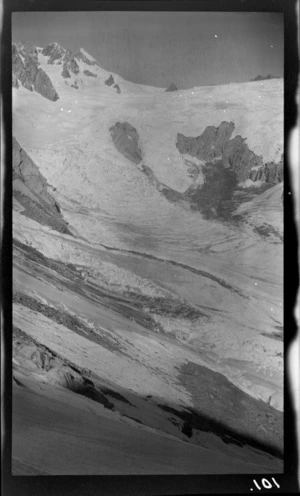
point(30, 190)
point(172, 87)
point(26, 70)
point(109, 81)
point(89, 73)
point(126, 140)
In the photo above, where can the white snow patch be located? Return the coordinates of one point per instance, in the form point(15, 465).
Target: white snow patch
point(87, 55)
point(249, 183)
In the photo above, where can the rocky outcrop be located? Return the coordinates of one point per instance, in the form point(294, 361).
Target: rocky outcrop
point(43, 85)
point(172, 87)
point(117, 88)
point(215, 144)
point(240, 159)
point(26, 71)
point(109, 81)
point(89, 73)
point(271, 172)
point(65, 72)
point(55, 53)
point(30, 191)
point(75, 85)
point(71, 65)
point(209, 145)
point(126, 140)
point(262, 78)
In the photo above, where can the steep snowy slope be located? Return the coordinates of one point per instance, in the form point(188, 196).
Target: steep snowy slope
point(174, 265)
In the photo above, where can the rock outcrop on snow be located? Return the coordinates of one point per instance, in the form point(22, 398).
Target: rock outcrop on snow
point(126, 140)
point(109, 81)
point(262, 78)
point(30, 191)
point(55, 53)
point(117, 88)
point(71, 65)
point(172, 87)
point(89, 73)
point(26, 71)
point(215, 143)
point(270, 172)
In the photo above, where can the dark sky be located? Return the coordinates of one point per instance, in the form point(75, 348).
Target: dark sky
point(157, 48)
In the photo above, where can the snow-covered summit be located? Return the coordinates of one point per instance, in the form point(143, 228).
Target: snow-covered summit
point(86, 57)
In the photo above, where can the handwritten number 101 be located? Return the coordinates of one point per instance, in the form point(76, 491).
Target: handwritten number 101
point(266, 484)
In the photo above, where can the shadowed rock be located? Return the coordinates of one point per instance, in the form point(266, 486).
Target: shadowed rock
point(117, 88)
point(262, 78)
point(209, 145)
point(30, 190)
point(25, 69)
point(89, 73)
point(215, 143)
point(70, 64)
point(110, 81)
point(125, 138)
point(54, 51)
point(271, 172)
point(172, 87)
point(65, 72)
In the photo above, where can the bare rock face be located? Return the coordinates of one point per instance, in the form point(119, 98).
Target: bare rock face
point(240, 159)
point(43, 85)
point(26, 70)
point(215, 143)
point(54, 51)
point(172, 87)
point(126, 139)
point(70, 64)
point(110, 81)
point(208, 145)
point(30, 190)
point(65, 72)
point(270, 172)
point(117, 88)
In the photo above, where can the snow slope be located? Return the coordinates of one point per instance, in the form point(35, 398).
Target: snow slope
point(162, 260)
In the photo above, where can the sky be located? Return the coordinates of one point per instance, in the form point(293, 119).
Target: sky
point(158, 48)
